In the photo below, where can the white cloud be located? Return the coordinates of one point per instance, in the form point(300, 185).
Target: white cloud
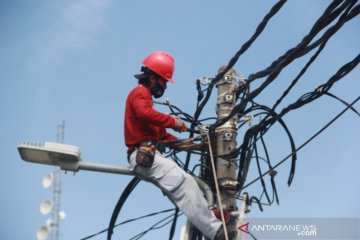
point(74, 29)
point(81, 21)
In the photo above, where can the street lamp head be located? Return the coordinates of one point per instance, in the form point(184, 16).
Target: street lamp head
point(65, 156)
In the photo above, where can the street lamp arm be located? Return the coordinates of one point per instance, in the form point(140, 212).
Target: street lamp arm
point(98, 167)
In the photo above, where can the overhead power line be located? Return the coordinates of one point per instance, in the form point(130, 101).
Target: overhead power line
point(253, 146)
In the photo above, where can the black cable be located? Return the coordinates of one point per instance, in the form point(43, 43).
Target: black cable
point(187, 117)
point(231, 63)
point(304, 144)
point(274, 70)
point(251, 136)
point(200, 92)
point(327, 17)
point(259, 171)
point(319, 91)
point(252, 235)
point(272, 172)
point(155, 226)
point(343, 101)
point(272, 180)
point(254, 199)
point(303, 70)
point(306, 98)
point(128, 221)
point(173, 225)
point(341, 10)
point(132, 184)
point(266, 151)
point(242, 50)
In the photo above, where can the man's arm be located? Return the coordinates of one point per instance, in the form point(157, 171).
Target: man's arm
point(142, 106)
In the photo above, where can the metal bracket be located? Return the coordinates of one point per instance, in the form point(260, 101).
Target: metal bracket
point(228, 136)
point(205, 80)
point(228, 183)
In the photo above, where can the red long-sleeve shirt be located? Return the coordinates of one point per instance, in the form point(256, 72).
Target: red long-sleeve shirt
point(142, 121)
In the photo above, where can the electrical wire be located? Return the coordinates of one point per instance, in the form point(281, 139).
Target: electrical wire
point(339, 11)
point(173, 225)
point(304, 144)
point(155, 226)
point(129, 221)
point(129, 188)
point(342, 101)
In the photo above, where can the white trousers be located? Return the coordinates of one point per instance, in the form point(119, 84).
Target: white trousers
point(182, 189)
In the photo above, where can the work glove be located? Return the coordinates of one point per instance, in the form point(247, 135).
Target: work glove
point(179, 125)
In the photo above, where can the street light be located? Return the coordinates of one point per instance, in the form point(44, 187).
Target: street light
point(67, 157)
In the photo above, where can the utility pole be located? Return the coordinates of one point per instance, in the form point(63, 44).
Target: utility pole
point(226, 134)
point(226, 140)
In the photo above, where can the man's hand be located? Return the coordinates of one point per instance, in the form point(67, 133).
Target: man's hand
point(179, 125)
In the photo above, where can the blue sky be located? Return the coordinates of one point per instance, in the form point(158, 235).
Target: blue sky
point(75, 60)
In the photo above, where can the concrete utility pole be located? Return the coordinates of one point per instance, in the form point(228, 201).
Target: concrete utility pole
point(226, 136)
point(226, 142)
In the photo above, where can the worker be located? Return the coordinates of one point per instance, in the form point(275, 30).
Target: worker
point(145, 128)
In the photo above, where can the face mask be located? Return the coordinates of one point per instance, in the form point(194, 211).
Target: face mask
point(157, 91)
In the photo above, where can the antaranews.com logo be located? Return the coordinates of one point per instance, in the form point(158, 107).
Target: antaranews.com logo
point(301, 228)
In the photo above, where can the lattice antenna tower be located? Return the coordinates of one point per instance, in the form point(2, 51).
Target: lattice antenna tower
point(57, 188)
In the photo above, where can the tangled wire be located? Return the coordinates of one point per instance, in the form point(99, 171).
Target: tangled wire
point(332, 19)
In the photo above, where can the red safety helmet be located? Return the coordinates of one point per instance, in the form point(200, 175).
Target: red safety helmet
point(161, 63)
